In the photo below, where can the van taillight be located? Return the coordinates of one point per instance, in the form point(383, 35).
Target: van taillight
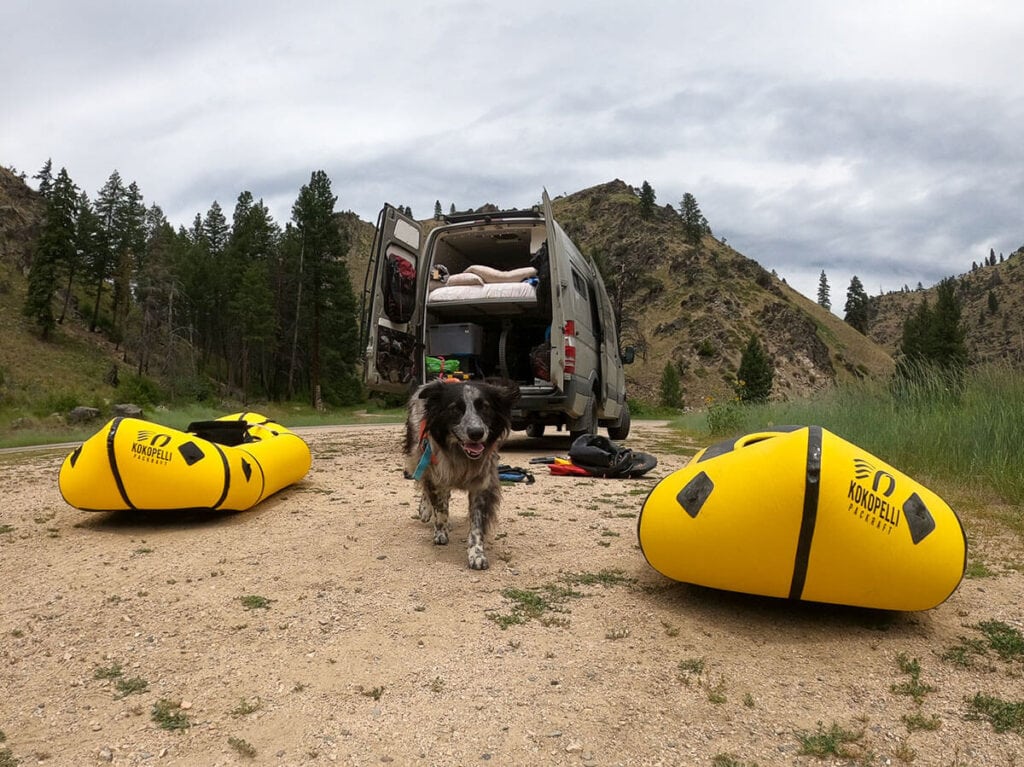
point(570, 347)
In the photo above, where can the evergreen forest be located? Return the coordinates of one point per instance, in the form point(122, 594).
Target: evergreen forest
point(266, 311)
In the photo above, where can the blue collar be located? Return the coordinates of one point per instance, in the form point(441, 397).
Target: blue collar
point(424, 460)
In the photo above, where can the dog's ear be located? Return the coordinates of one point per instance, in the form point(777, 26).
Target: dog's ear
point(432, 389)
point(507, 389)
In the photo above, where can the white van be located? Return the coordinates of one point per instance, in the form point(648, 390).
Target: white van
point(501, 294)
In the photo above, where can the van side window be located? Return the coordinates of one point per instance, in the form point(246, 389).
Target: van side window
point(580, 284)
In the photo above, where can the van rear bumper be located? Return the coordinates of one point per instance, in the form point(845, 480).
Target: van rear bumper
point(547, 404)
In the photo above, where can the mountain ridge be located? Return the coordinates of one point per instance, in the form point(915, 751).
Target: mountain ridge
point(694, 305)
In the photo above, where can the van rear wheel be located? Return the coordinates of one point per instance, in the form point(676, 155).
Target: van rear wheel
point(586, 424)
point(620, 431)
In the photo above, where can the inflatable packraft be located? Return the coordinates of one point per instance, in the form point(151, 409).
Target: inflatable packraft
point(230, 464)
point(800, 513)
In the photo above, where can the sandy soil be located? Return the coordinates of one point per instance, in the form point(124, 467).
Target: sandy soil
point(375, 646)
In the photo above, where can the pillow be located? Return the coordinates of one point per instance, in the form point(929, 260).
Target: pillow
point(496, 275)
point(465, 278)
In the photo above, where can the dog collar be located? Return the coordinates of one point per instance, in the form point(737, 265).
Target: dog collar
point(424, 460)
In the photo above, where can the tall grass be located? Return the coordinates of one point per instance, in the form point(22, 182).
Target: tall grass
point(967, 428)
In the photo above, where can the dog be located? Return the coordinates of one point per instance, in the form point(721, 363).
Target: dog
point(453, 432)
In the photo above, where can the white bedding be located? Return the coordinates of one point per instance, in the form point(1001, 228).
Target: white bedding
point(493, 291)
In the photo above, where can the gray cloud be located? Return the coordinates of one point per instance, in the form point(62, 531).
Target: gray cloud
point(871, 138)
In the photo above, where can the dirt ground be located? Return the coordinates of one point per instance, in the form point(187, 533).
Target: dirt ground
point(324, 627)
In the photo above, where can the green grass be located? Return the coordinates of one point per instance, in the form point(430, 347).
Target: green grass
point(255, 602)
point(242, 746)
point(1004, 716)
point(830, 742)
point(913, 687)
point(930, 425)
point(169, 715)
point(1005, 640)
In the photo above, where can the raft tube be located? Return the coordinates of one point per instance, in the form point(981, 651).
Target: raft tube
point(800, 513)
point(230, 464)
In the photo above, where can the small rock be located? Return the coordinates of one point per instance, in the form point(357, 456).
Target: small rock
point(106, 755)
point(83, 414)
point(186, 705)
point(574, 747)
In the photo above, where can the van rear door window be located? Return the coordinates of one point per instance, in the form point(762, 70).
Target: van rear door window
point(399, 286)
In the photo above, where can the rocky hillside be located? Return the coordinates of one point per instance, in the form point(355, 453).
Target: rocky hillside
point(21, 211)
point(992, 306)
point(698, 306)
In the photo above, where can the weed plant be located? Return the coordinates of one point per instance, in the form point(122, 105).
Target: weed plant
point(830, 742)
point(1004, 716)
point(169, 715)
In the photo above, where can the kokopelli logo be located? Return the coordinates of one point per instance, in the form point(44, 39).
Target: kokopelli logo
point(864, 469)
point(155, 439)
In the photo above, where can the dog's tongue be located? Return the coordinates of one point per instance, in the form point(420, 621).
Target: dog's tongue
point(473, 449)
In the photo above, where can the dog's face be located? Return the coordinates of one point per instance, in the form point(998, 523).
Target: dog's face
point(470, 416)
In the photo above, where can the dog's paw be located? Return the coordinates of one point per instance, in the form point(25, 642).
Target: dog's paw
point(426, 510)
point(440, 537)
point(478, 560)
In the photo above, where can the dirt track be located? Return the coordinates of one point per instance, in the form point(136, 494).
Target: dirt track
point(375, 646)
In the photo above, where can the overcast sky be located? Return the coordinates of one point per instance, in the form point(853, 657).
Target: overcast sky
point(882, 139)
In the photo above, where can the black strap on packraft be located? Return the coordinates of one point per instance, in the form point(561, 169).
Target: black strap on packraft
point(228, 433)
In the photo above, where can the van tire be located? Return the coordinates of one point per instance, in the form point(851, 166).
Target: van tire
point(590, 418)
point(619, 431)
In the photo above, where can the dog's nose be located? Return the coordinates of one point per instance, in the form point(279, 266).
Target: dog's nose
point(475, 435)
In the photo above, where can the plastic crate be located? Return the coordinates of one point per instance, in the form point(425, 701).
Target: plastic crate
point(455, 339)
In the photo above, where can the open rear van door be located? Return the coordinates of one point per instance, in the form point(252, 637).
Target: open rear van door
point(392, 309)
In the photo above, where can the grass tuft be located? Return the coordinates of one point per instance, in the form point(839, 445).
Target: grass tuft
point(242, 746)
point(169, 715)
point(255, 602)
point(830, 742)
point(1004, 716)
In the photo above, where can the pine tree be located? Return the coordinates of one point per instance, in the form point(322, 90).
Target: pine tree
point(823, 292)
point(858, 306)
point(936, 336)
point(45, 178)
point(993, 303)
point(437, 210)
point(646, 201)
point(756, 373)
point(671, 387)
point(330, 317)
point(950, 350)
point(55, 248)
point(451, 211)
point(695, 225)
point(108, 206)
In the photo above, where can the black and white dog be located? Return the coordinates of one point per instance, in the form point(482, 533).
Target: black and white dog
point(452, 436)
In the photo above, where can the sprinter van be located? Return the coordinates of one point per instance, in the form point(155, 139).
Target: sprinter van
point(500, 294)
